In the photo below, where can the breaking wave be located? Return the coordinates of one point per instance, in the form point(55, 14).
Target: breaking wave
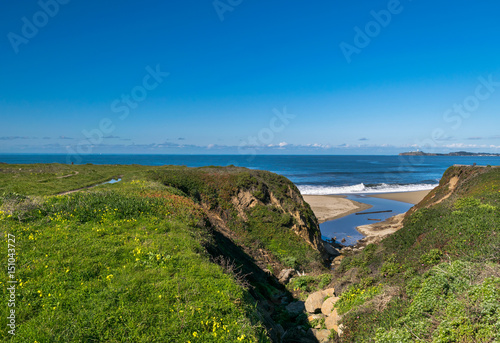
point(362, 188)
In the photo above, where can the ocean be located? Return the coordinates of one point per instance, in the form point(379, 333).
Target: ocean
point(354, 176)
point(312, 174)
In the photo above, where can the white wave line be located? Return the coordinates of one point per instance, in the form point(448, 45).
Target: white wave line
point(362, 189)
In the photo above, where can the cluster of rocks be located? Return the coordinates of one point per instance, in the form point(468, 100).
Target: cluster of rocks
point(320, 306)
point(321, 313)
point(343, 251)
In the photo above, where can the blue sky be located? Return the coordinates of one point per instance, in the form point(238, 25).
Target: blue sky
point(232, 76)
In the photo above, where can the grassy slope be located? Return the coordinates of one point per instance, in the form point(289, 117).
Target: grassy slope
point(266, 226)
point(117, 264)
point(133, 261)
point(48, 179)
point(438, 278)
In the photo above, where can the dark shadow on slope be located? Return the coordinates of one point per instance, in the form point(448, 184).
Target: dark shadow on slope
point(270, 296)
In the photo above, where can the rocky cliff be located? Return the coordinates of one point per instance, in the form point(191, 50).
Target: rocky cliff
point(259, 210)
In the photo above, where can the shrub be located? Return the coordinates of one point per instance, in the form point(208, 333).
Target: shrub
point(432, 257)
point(466, 202)
point(302, 282)
point(289, 261)
point(355, 296)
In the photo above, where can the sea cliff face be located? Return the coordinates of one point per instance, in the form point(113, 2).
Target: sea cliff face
point(458, 181)
point(257, 209)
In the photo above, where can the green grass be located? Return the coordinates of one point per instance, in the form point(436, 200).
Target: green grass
point(309, 283)
point(265, 224)
point(120, 263)
point(435, 280)
point(49, 179)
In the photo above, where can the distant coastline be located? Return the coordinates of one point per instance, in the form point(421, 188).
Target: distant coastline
point(458, 153)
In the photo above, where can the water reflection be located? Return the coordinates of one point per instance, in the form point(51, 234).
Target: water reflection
point(345, 227)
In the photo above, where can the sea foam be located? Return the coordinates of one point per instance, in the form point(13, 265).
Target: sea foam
point(363, 189)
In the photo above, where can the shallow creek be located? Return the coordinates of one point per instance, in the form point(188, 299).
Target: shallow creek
point(345, 227)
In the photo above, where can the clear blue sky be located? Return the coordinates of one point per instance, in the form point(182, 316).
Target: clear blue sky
point(287, 77)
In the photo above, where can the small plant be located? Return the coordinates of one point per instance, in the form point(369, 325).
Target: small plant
point(318, 322)
point(367, 282)
point(432, 257)
point(324, 280)
point(290, 261)
point(302, 282)
point(467, 202)
point(309, 283)
point(390, 267)
point(230, 268)
point(355, 296)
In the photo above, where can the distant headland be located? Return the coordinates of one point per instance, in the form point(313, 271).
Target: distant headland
point(458, 153)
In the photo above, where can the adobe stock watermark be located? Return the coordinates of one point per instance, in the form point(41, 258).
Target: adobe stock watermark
point(459, 111)
point(12, 282)
point(122, 107)
point(266, 135)
point(223, 6)
point(31, 26)
point(364, 36)
point(455, 115)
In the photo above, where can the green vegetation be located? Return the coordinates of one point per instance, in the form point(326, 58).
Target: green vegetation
point(153, 257)
point(140, 260)
point(117, 264)
point(256, 205)
point(48, 179)
point(176, 254)
point(438, 278)
point(309, 283)
point(353, 297)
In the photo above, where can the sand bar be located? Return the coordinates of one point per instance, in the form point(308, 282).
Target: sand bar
point(409, 197)
point(330, 207)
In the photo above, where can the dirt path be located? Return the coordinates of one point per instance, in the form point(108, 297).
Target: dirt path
point(88, 187)
point(61, 177)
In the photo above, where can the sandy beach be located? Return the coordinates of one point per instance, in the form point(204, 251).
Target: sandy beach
point(409, 197)
point(330, 207)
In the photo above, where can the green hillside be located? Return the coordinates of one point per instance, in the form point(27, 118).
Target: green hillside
point(146, 259)
point(438, 278)
point(176, 254)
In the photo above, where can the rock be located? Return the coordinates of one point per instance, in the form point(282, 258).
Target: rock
point(321, 335)
point(330, 249)
point(268, 272)
point(328, 304)
point(337, 260)
point(332, 321)
point(340, 331)
point(330, 292)
point(315, 317)
point(285, 275)
point(314, 302)
point(295, 308)
point(346, 250)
